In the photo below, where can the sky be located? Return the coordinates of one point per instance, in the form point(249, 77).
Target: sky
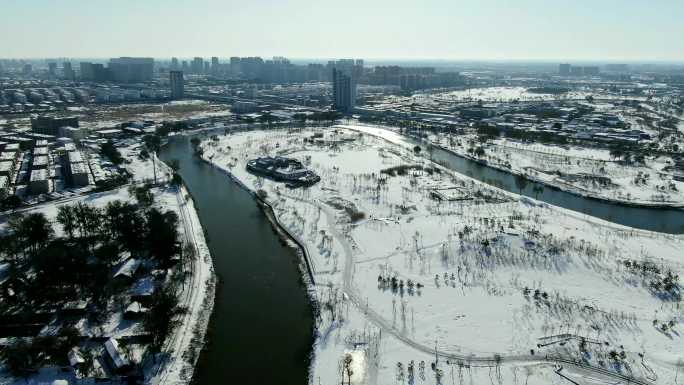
point(553, 30)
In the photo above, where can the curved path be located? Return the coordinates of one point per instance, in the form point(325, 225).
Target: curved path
point(379, 321)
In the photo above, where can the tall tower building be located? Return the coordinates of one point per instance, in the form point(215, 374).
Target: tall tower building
point(68, 71)
point(564, 69)
point(52, 68)
point(197, 65)
point(214, 65)
point(176, 79)
point(344, 93)
point(174, 63)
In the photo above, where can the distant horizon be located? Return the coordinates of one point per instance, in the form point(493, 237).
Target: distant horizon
point(371, 59)
point(381, 30)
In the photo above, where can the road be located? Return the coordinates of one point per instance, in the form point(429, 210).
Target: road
point(191, 299)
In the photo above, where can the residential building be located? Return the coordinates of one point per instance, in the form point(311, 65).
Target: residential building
point(67, 71)
point(131, 69)
point(176, 80)
point(591, 70)
point(50, 125)
point(215, 69)
point(39, 182)
point(52, 69)
point(564, 69)
point(344, 89)
point(197, 65)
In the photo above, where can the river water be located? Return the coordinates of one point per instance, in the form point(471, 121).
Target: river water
point(261, 330)
point(654, 219)
point(262, 322)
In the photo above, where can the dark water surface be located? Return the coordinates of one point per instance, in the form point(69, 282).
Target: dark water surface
point(262, 323)
point(655, 219)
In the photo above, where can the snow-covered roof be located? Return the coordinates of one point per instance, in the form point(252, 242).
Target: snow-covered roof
point(75, 305)
point(112, 347)
point(75, 357)
point(144, 286)
point(135, 307)
point(128, 269)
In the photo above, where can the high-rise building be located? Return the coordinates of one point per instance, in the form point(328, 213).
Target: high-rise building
point(564, 69)
point(215, 65)
point(576, 70)
point(176, 80)
point(28, 69)
point(93, 72)
point(131, 69)
point(174, 63)
point(68, 72)
point(234, 65)
point(52, 69)
point(87, 71)
point(197, 65)
point(591, 70)
point(343, 85)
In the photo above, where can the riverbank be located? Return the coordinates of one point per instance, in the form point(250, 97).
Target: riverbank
point(551, 183)
point(184, 345)
point(565, 187)
point(182, 348)
point(291, 239)
point(429, 241)
point(263, 284)
point(661, 219)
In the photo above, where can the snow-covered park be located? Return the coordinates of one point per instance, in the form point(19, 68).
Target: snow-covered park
point(585, 171)
point(425, 276)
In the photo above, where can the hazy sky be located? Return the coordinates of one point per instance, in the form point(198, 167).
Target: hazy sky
point(641, 30)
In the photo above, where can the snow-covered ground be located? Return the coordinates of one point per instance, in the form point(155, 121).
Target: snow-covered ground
point(196, 297)
point(481, 286)
point(186, 341)
point(584, 171)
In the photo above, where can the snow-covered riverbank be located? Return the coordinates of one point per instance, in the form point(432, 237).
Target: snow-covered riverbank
point(418, 264)
point(589, 173)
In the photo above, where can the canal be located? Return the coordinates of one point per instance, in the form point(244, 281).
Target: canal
point(262, 325)
point(663, 220)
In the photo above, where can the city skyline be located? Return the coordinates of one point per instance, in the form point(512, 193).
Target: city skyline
point(492, 30)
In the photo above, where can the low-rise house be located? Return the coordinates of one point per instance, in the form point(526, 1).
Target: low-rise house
point(143, 290)
point(76, 359)
point(126, 272)
point(135, 310)
point(116, 357)
point(75, 308)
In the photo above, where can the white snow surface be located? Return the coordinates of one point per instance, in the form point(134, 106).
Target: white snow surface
point(472, 317)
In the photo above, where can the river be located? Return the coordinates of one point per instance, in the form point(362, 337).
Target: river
point(262, 322)
point(665, 220)
point(261, 330)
